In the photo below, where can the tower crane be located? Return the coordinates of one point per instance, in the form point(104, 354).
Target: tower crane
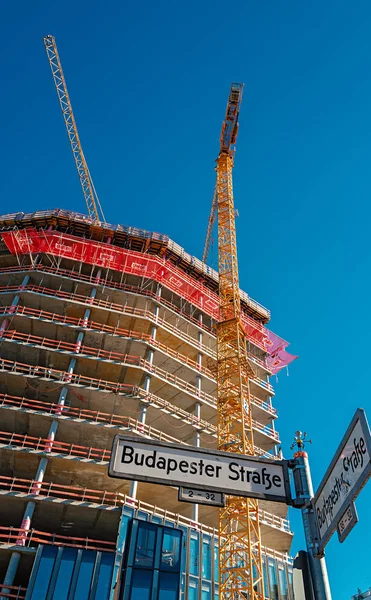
point(240, 559)
point(93, 205)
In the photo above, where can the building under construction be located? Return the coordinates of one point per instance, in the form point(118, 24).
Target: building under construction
point(104, 330)
point(109, 330)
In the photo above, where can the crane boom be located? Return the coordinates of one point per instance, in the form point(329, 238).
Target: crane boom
point(240, 560)
point(227, 140)
point(94, 208)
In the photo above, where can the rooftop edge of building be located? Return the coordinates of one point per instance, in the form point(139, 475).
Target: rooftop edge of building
point(140, 240)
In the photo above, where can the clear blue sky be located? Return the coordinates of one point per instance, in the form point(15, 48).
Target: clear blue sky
point(149, 84)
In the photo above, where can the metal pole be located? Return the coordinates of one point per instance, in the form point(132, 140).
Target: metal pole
point(304, 493)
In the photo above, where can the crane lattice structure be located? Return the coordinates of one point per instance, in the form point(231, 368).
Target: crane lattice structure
point(95, 211)
point(210, 225)
point(240, 560)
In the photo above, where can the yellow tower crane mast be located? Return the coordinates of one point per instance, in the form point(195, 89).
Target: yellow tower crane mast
point(95, 211)
point(240, 560)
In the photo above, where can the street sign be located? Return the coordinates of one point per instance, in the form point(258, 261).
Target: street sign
point(347, 522)
point(209, 470)
point(347, 474)
point(201, 497)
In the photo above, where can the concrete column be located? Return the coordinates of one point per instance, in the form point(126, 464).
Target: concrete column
point(30, 508)
point(13, 305)
point(197, 437)
point(147, 382)
point(10, 573)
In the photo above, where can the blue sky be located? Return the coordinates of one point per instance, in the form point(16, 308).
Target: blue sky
point(149, 84)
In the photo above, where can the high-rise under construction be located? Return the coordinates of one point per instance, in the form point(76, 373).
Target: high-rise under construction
point(103, 330)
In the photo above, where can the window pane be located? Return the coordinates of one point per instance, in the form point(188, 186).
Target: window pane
point(169, 586)
point(265, 578)
point(206, 592)
point(44, 572)
point(62, 585)
point(194, 556)
point(216, 563)
point(206, 560)
point(273, 581)
point(145, 549)
point(105, 575)
point(141, 585)
point(193, 589)
point(170, 552)
point(85, 574)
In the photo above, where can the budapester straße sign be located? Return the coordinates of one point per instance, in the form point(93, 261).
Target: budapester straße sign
point(210, 470)
point(347, 474)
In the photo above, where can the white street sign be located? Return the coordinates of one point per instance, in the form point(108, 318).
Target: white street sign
point(347, 474)
point(196, 468)
point(346, 523)
point(201, 497)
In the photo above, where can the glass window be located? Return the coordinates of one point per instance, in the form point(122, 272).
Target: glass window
point(156, 519)
point(82, 591)
point(142, 515)
point(273, 580)
point(283, 583)
point(169, 586)
point(291, 584)
point(105, 576)
point(44, 572)
point(206, 559)
point(184, 549)
point(194, 556)
point(206, 592)
point(193, 589)
point(62, 585)
point(265, 579)
point(141, 585)
point(216, 563)
point(145, 546)
point(170, 551)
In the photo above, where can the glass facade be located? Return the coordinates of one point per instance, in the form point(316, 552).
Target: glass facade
point(161, 561)
point(62, 573)
point(165, 562)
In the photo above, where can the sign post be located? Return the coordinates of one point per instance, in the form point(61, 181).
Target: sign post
point(304, 497)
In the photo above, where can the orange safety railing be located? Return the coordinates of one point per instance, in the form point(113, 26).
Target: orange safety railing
point(116, 331)
point(48, 445)
point(102, 497)
point(103, 354)
point(134, 391)
point(12, 535)
point(108, 283)
point(92, 416)
point(123, 359)
point(15, 592)
point(131, 360)
point(121, 388)
point(55, 490)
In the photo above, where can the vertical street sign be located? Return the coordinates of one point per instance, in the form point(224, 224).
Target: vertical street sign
point(345, 477)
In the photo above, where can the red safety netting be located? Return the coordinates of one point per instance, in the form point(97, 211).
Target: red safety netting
point(31, 241)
